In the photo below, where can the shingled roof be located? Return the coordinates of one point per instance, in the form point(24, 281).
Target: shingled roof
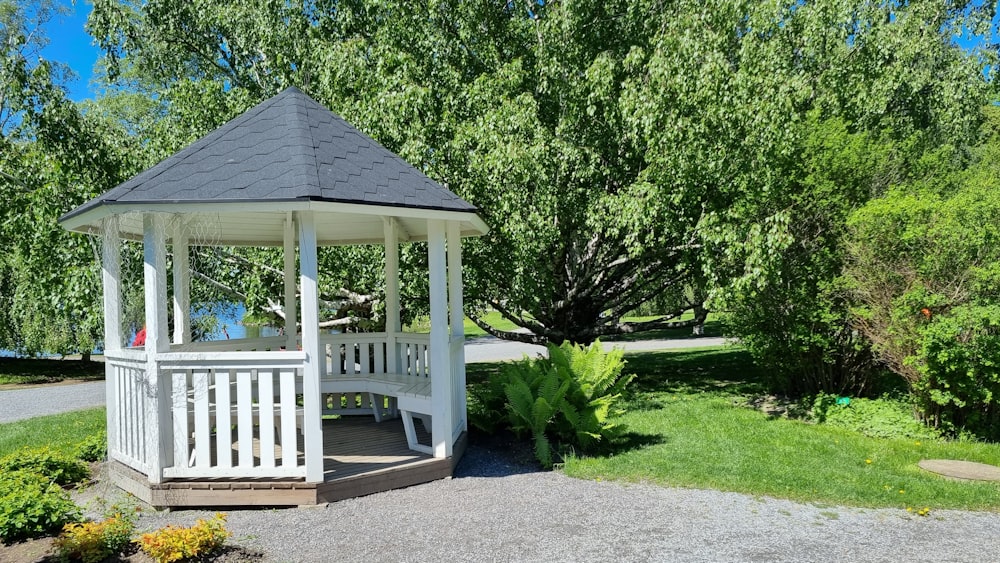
point(287, 148)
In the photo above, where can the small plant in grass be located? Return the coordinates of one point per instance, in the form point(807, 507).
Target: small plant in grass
point(885, 417)
point(32, 505)
point(54, 465)
point(176, 543)
point(92, 542)
point(93, 447)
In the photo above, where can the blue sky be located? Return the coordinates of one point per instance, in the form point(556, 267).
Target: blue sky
point(70, 44)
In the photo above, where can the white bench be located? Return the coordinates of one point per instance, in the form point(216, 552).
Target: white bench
point(410, 395)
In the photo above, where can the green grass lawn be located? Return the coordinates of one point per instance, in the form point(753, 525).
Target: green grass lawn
point(62, 432)
point(687, 427)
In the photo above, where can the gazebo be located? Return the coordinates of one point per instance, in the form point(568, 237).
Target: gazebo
point(241, 422)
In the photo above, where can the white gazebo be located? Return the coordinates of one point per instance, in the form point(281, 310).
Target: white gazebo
point(240, 422)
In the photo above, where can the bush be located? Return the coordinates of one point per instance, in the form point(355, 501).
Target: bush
point(93, 448)
point(175, 543)
point(92, 542)
point(959, 366)
point(569, 397)
point(32, 505)
point(55, 466)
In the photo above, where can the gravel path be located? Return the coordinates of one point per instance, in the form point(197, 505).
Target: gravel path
point(496, 511)
point(18, 404)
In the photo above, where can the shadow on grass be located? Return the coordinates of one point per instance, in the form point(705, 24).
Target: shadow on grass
point(712, 328)
point(29, 371)
point(725, 370)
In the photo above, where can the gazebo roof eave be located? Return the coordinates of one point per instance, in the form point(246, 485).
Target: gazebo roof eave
point(89, 220)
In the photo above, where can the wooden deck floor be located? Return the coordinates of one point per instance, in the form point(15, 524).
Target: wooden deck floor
point(360, 457)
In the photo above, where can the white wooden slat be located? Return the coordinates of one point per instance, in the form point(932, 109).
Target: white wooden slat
point(288, 419)
point(223, 418)
point(180, 409)
point(380, 357)
point(244, 423)
point(202, 420)
point(265, 403)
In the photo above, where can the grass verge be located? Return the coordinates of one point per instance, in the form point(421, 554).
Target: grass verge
point(62, 432)
point(688, 427)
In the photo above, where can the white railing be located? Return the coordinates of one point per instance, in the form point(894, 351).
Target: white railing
point(128, 409)
point(262, 344)
point(414, 354)
point(235, 414)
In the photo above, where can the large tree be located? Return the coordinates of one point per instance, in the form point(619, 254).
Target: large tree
point(52, 157)
point(618, 148)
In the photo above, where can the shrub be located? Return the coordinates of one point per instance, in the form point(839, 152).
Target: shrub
point(92, 542)
point(93, 447)
point(569, 397)
point(175, 543)
point(55, 466)
point(31, 505)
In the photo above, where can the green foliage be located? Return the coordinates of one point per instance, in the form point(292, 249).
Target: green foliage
point(571, 398)
point(884, 417)
point(93, 542)
point(32, 505)
point(60, 468)
point(176, 543)
point(93, 447)
point(923, 270)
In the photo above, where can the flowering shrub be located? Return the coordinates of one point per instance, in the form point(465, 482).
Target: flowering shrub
point(92, 542)
point(175, 543)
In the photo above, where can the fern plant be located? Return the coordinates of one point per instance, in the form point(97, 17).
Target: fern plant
point(571, 398)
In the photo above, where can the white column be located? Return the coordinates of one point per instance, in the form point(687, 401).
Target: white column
point(182, 287)
point(159, 435)
point(111, 280)
point(392, 324)
point(313, 424)
point(291, 310)
point(455, 307)
point(440, 367)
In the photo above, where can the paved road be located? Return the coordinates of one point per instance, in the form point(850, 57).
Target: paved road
point(19, 404)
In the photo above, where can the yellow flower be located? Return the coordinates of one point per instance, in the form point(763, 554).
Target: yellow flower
point(909, 509)
point(917, 443)
point(901, 491)
point(868, 461)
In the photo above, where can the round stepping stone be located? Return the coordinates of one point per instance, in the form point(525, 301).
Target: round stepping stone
point(955, 469)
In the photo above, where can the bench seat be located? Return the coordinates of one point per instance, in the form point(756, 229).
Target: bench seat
point(410, 395)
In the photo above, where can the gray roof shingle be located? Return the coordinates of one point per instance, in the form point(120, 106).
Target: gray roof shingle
point(288, 147)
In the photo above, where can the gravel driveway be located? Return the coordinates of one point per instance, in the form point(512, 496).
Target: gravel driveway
point(497, 511)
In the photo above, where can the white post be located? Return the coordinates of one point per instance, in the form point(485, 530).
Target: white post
point(440, 367)
point(313, 424)
point(291, 312)
point(392, 324)
point(455, 306)
point(182, 287)
point(159, 435)
point(111, 280)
